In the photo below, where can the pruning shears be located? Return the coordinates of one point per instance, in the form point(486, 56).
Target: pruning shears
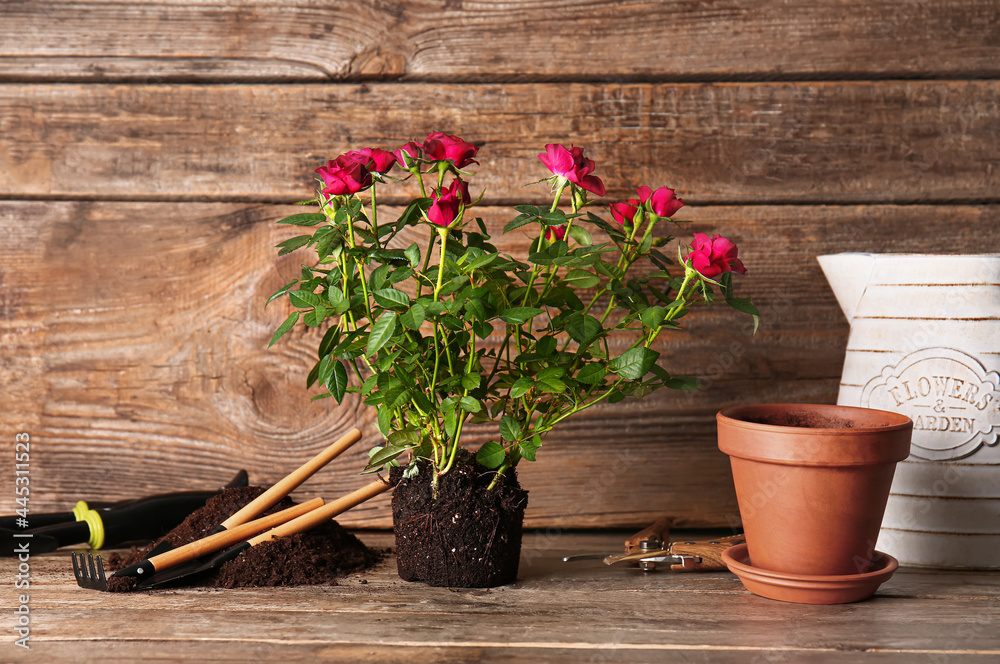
point(649, 549)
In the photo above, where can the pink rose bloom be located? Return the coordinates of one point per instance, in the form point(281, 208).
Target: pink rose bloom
point(712, 257)
point(553, 233)
point(572, 165)
point(378, 160)
point(445, 207)
point(440, 146)
point(408, 153)
point(345, 175)
point(621, 212)
point(459, 188)
point(664, 202)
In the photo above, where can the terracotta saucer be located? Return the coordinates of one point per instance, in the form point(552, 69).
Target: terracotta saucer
point(806, 589)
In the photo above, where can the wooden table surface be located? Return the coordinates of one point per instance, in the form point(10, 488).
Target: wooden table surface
point(556, 612)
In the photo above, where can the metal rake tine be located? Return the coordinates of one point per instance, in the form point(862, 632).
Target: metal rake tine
point(94, 577)
point(76, 571)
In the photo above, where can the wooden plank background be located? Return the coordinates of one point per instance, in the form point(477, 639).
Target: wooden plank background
point(146, 152)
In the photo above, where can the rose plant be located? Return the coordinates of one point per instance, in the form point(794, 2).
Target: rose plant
point(441, 333)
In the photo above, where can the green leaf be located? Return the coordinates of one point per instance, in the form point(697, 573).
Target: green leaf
point(545, 346)
point(470, 404)
point(582, 329)
point(554, 218)
point(529, 446)
point(379, 277)
point(315, 371)
point(338, 303)
point(284, 327)
point(400, 274)
point(682, 383)
point(609, 270)
point(592, 374)
point(412, 214)
point(482, 261)
point(412, 253)
point(390, 298)
point(519, 315)
point(453, 323)
point(510, 428)
point(315, 317)
point(395, 397)
point(551, 372)
point(581, 279)
point(381, 333)
point(517, 222)
point(304, 219)
point(635, 363)
point(413, 317)
point(491, 455)
point(330, 339)
point(471, 381)
point(482, 329)
point(646, 243)
point(404, 438)
point(745, 305)
point(653, 316)
point(581, 235)
point(384, 421)
point(521, 387)
point(476, 308)
point(336, 381)
point(383, 455)
point(291, 244)
point(281, 291)
point(551, 385)
point(303, 299)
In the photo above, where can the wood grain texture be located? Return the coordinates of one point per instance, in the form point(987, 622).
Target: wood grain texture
point(421, 40)
point(133, 348)
point(843, 142)
point(556, 612)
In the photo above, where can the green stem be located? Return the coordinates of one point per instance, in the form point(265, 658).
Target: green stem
point(361, 270)
point(534, 268)
point(375, 216)
point(437, 291)
point(550, 423)
point(496, 477)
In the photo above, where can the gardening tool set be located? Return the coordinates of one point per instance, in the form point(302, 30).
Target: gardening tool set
point(246, 528)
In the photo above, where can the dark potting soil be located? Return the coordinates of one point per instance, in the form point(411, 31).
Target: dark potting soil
point(804, 420)
point(318, 556)
point(466, 536)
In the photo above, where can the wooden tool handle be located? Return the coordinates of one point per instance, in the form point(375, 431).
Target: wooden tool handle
point(226, 538)
point(321, 514)
point(710, 552)
point(658, 530)
point(288, 484)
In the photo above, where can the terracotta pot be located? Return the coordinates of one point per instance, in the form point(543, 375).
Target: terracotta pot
point(812, 482)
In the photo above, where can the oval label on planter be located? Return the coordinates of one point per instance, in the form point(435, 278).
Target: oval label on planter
point(953, 400)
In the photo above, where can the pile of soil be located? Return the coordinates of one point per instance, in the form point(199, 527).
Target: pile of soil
point(318, 556)
point(464, 537)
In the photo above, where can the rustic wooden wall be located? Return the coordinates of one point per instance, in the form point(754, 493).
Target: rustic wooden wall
point(147, 147)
